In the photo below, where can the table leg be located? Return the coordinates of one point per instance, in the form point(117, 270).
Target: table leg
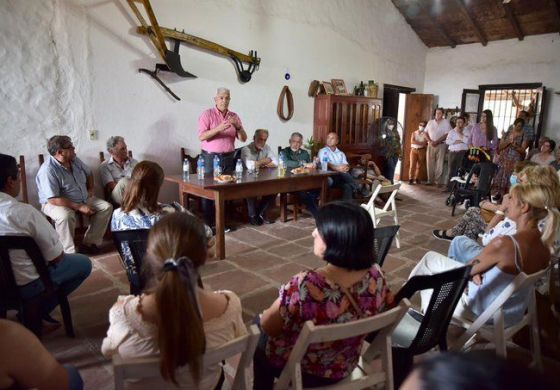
point(182, 196)
point(220, 225)
point(323, 196)
point(283, 207)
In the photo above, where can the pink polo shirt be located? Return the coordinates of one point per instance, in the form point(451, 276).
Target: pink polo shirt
point(223, 142)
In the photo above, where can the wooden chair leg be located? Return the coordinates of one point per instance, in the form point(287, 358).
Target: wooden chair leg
point(66, 315)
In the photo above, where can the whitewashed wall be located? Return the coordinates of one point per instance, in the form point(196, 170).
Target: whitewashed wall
point(68, 66)
point(535, 59)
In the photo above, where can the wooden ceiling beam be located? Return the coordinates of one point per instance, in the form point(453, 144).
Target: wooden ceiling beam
point(512, 19)
point(481, 37)
point(436, 24)
point(555, 4)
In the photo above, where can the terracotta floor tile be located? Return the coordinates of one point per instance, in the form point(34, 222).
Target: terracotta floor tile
point(97, 280)
point(287, 232)
point(255, 238)
point(391, 263)
point(283, 273)
point(287, 251)
point(111, 263)
point(215, 267)
point(240, 282)
point(309, 260)
point(259, 301)
point(258, 260)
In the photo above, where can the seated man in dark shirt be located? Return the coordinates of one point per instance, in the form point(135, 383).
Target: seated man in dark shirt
point(296, 157)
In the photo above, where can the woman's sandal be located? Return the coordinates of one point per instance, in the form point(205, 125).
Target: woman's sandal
point(441, 235)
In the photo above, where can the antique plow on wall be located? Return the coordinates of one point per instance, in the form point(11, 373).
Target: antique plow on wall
point(158, 35)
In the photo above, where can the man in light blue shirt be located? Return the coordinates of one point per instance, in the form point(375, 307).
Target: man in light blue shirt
point(65, 186)
point(337, 162)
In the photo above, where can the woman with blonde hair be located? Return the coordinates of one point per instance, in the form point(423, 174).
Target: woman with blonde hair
point(528, 250)
point(175, 318)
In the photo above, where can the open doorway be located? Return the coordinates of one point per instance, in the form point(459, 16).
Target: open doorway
point(394, 105)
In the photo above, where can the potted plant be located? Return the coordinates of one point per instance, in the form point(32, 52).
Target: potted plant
point(313, 146)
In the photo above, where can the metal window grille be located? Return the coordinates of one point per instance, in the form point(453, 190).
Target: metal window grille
point(504, 110)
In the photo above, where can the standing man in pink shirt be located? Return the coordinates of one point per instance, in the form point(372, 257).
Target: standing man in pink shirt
point(217, 130)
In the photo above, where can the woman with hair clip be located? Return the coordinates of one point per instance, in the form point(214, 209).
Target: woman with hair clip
point(484, 134)
point(348, 287)
point(528, 250)
point(175, 318)
point(140, 209)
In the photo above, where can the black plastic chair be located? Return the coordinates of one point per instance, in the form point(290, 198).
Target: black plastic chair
point(467, 192)
point(30, 310)
point(418, 333)
point(134, 241)
point(382, 241)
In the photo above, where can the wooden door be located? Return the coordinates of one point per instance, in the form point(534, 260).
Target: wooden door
point(418, 108)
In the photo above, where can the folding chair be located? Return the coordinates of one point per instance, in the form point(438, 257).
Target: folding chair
point(382, 240)
point(497, 332)
point(131, 245)
point(390, 208)
point(363, 375)
point(30, 310)
point(419, 333)
point(143, 368)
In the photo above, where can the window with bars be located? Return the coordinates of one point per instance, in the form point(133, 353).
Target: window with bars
point(506, 104)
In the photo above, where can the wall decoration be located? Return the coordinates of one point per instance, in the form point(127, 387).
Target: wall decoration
point(158, 35)
point(329, 90)
point(339, 87)
point(285, 94)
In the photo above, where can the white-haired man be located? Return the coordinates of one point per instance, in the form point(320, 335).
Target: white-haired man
point(218, 128)
point(115, 172)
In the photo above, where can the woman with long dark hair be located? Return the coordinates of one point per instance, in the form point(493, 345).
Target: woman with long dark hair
point(484, 134)
point(350, 286)
point(175, 318)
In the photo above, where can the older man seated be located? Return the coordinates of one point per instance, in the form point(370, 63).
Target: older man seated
point(336, 161)
point(263, 156)
point(115, 172)
point(66, 270)
point(296, 157)
point(65, 186)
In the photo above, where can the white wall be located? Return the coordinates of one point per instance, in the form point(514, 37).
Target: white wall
point(535, 59)
point(68, 66)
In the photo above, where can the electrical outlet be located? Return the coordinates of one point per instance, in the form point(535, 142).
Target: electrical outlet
point(93, 135)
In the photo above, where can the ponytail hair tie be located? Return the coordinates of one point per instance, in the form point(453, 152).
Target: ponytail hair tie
point(170, 265)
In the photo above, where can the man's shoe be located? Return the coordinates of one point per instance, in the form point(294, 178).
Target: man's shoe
point(411, 182)
point(255, 220)
point(88, 249)
point(265, 220)
point(227, 229)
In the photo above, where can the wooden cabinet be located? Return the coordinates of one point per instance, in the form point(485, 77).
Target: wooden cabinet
point(350, 117)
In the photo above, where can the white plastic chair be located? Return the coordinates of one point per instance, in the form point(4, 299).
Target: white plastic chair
point(363, 376)
point(143, 368)
point(497, 332)
point(390, 208)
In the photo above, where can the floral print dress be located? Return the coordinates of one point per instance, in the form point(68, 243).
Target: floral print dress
point(311, 296)
point(506, 161)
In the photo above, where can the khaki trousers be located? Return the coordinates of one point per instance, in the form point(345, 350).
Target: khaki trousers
point(417, 163)
point(118, 192)
point(435, 160)
point(65, 222)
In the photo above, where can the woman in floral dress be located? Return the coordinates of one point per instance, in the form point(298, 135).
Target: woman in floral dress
point(349, 287)
point(511, 150)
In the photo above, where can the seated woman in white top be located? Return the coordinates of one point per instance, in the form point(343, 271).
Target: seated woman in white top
point(546, 155)
point(174, 319)
point(528, 250)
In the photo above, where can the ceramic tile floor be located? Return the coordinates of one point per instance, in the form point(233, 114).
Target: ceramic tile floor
point(258, 260)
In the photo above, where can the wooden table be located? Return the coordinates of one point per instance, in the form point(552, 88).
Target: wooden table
point(267, 182)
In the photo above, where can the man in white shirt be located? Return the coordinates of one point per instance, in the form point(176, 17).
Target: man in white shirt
point(457, 141)
point(20, 219)
point(263, 156)
point(116, 172)
point(336, 160)
point(436, 133)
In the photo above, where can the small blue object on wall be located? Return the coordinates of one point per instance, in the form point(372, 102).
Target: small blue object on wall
point(287, 76)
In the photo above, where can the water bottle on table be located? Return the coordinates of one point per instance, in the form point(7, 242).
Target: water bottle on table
point(238, 169)
point(186, 169)
point(281, 165)
point(200, 167)
point(325, 164)
point(217, 167)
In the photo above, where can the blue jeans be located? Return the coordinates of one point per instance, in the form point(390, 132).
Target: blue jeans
point(75, 381)
point(463, 249)
point(345, 182)
point(68, 274)
point(389, 167)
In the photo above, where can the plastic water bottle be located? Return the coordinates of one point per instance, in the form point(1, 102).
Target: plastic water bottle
point(325, 163)
point(200, 167)
point(281, 165)
point(186, 169)
point(217, 167)
point(238, 169)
